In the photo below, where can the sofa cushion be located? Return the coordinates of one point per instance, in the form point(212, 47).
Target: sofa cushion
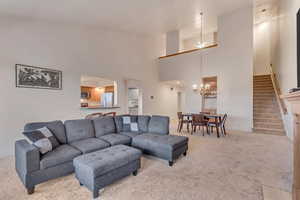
point(156, 141)
point(119, 123)
point(79, 130)
point(115, 139)
point(56, 127)
point(127, 123)
point(104, 126)
point(130, 134)
point(130, 123)
point(143, 123)
point(89, 145)
point(60, 155)
point(43, 139)
point(159, 124)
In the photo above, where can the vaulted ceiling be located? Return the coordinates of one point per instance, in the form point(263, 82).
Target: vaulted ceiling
point(138, 16)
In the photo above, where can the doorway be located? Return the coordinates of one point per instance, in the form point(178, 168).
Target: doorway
point(133, 101)
point(209, 98)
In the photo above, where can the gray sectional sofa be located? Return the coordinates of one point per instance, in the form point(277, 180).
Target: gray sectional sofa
point(81, 137)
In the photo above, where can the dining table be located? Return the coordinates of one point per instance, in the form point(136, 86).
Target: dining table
point(216, 118)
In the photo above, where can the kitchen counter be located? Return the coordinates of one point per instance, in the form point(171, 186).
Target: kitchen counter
point(100, 107)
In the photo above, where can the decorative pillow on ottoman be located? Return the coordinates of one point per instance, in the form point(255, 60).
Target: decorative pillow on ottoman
point(130, 123)
point(43, 139)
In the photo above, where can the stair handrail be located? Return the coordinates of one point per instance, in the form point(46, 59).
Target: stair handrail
point(277, 89)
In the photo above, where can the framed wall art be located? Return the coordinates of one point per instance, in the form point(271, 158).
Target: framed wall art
point(38, 77)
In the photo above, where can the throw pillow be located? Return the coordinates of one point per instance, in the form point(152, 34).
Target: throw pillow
point(130, 124)
point(43, 139)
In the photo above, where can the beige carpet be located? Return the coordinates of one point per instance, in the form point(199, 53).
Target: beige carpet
point(232, 168)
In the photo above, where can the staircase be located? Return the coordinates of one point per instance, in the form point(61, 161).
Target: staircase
point(267, 116)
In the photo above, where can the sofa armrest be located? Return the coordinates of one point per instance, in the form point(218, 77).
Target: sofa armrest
point(27, 159)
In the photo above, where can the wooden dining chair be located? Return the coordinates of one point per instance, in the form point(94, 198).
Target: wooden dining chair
point(94, 115)
point(110, 114)
point(223, 124)
point(199, 120)
point(182, 121)
point(210, 111)
point(179, 116)
point(205, 113)
point(219, 125)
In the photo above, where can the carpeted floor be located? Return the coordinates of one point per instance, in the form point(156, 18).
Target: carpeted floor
point(235, 167)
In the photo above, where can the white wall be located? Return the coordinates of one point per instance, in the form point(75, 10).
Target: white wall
point(76, 51)
point(231, 61)
point(285, 56)
point(173, 42)
point(262, 48)
point(186, 68)
point(168, 101)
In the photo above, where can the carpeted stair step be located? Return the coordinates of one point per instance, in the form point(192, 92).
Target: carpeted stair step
point(267, 116)
point(262, 85)
point(279, 132)
point(264, 96)
point(262, 79)
point(268, 120)
point(259, 92)
point(266, 108)
point(268, 125)
point(264, 89)
point(265, 101)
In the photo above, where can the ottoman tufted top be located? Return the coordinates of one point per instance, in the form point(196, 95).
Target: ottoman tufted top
point(103, 161)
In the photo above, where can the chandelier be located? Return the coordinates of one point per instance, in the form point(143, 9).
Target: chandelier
point(205, 89)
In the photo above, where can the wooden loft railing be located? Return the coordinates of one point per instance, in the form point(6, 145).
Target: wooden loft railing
point(278, 93)
point(189, 51)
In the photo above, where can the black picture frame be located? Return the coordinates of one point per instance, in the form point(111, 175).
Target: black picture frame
point(28, 76)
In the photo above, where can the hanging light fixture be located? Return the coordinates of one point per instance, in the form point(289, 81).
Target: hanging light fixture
point(200, 43)
point(203, 89)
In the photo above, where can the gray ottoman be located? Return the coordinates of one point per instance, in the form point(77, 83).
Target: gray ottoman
point(101, 168)
point(168, 147)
